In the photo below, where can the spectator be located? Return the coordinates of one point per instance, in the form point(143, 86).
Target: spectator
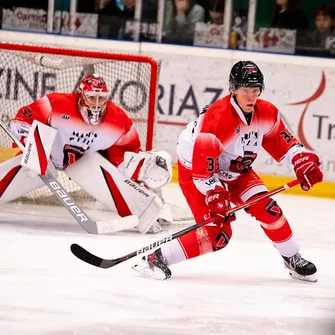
point(314, 42)
point(205, 4)
point(324, 18)
point(289, 15)
point(180, 19)
point(216, 11)
point(238, 24)
point(149, 25)
point(239, 29)
point(113, 15)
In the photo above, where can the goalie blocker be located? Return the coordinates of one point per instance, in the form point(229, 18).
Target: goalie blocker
point(125, 196)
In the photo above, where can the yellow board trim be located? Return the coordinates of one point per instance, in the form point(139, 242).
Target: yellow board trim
point(325, 189)
point(7, 153)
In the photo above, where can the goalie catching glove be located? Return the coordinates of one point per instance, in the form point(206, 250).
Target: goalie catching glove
point(153, 168)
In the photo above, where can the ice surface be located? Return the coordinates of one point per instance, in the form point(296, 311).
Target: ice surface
point(243, 289)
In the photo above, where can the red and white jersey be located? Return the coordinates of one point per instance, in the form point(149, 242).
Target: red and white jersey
point(221, 144)
point(114, 135)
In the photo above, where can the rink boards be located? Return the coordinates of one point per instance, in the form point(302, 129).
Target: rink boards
point(325, 189)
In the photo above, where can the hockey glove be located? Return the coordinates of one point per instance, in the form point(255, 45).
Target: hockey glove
point(218, 204)
point(307, 169)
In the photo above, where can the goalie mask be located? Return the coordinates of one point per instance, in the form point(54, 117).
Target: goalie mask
point(93, 97)
point(245, 74)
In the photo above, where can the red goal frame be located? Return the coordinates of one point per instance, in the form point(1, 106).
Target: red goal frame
point(152, 99)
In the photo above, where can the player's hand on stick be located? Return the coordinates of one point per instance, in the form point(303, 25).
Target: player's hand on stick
point(307, 169)
point(218, 205)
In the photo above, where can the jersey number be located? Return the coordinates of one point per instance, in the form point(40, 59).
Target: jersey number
point(287, 137)
point(213, 164)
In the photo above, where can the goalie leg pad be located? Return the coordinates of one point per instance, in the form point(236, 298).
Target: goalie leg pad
point(15, 180)
point(110, 187)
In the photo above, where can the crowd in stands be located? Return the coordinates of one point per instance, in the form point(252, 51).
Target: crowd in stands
point(314, 40)
point(188, 21)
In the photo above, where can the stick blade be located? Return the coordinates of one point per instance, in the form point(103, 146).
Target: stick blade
point(86, 256)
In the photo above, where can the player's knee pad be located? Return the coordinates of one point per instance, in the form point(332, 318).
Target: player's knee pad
point(221, 241)
point(272, 219)
point(205, 240)
point(267, 212)
point(219, 236)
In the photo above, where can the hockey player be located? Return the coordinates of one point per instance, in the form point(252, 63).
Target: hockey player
point(215, 156)
point(97, 146)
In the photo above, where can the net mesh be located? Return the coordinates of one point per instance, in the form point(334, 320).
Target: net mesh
point(28, 75)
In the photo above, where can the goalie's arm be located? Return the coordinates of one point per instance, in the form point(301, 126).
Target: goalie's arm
point(39, 110)
point(129, 141)
point(152, 168)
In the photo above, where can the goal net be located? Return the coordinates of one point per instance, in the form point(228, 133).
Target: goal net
point(28, 72)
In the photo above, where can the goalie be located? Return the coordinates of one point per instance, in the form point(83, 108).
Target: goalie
point(96, 144)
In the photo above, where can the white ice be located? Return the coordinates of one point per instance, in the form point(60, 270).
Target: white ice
point(242, 289)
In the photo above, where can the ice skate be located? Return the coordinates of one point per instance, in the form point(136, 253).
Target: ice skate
point(300, 268)
point(154, 266)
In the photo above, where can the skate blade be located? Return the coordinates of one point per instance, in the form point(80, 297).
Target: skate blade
point(311, 278)
point(145, 271)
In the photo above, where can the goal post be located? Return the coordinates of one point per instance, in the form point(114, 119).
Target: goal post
point(28, 72)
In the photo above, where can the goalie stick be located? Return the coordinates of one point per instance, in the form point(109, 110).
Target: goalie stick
point(89, 258)
point(90, 226)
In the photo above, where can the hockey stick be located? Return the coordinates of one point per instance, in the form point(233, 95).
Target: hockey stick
point(87, 257)
point(90, 226)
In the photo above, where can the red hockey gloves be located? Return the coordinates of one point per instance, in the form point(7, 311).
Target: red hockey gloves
point(218, 203)
point(307, 168)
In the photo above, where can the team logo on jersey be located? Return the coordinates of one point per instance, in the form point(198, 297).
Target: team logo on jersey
point(65, 117)
point(250, 139)
point(27, 112)
point(87, 138)
point(72, 153)
point(242, 164)
point(238, 129)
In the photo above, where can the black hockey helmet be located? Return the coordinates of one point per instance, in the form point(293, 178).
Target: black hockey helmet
point(245, 74)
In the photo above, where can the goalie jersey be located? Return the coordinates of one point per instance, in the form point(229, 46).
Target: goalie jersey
point(222, 143)
point(114, 135)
